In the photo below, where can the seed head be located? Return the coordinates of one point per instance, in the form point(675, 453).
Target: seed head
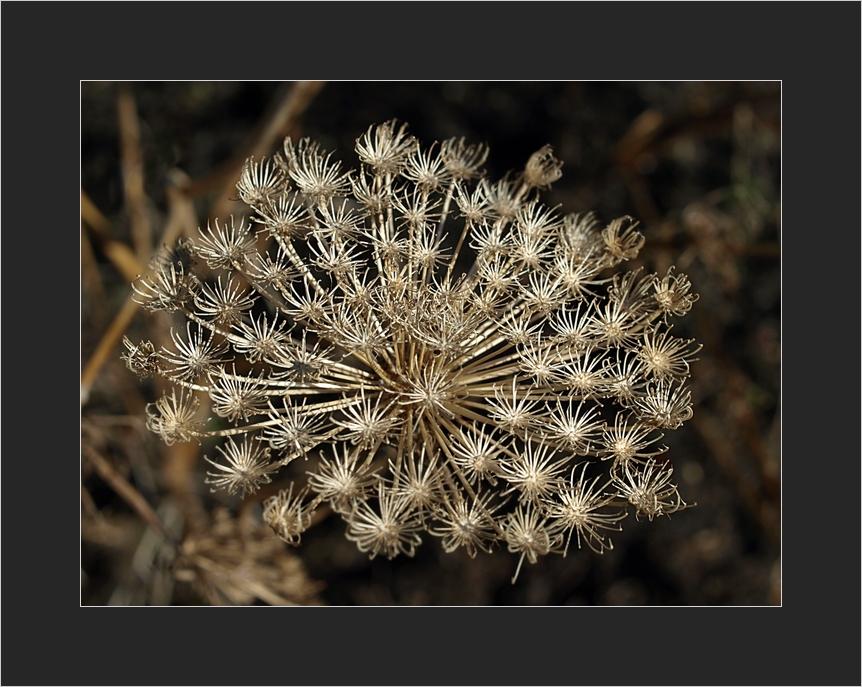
point(247, 467)
point(175, 417)
point(446, 354)
point(287, 515)
point(543, 169)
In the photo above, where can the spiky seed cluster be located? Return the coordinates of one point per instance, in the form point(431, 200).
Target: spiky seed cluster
point(476, 367)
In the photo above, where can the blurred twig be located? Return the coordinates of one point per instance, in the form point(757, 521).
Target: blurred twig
point(127, 492)
point(653, 129)
point(764, 249)
point(291, 103)
point(94, 217)
point(652, 132)
point(120, 255)
point(713, 431)
point(105, 347)
point(133, 172)
point(91, 282)
point(181, 219)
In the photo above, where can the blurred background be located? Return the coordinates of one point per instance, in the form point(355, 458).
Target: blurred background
point(697, 163)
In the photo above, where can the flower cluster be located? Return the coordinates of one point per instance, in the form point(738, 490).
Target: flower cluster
point(445, 354)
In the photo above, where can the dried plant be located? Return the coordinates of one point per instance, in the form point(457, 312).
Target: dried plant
point(229, 564)
point(475, 366)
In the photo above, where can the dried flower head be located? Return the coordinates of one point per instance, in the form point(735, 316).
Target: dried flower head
point(543, 169)
point(649, 489)
point(475, 367)
point(175, 417)
point(288, 515)
point(391, 531)
point(584, 508)
point(529, 532)
point(248, 467)
point(141, 358)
